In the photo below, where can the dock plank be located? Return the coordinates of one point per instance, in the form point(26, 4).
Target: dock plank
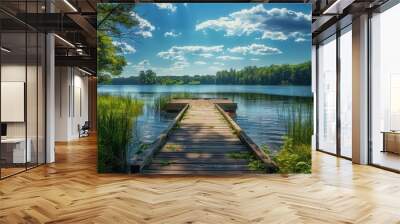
point(199, 172)
point(201, 167)
point(180, 160)
point(201, 144)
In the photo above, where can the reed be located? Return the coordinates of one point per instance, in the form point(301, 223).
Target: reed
point(161, 102)
point(295, 153)
point(299, 121)
point(115, 119)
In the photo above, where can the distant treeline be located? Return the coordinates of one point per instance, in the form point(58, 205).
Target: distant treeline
point(297, 74)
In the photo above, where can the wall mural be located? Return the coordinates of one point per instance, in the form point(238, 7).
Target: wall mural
point(204, 88)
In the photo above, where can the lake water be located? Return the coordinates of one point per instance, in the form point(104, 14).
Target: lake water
point(272, 90)
point(259, 112)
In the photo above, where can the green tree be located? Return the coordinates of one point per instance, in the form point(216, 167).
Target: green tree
point(297, 74)
point(112, 20)
point(147, 77)
point(109, 61)
point(106, 79)
point(293, 74)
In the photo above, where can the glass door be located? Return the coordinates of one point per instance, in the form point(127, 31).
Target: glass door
point(346, 92)
point(385, 90)
point(22, 77)
point(327, 95)
point(14, 156)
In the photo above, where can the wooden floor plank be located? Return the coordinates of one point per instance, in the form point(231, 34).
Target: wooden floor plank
point(71, 191)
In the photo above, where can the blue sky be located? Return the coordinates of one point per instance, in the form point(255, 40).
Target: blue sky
point(202, 38)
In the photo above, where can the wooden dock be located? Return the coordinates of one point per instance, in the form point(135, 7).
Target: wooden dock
point(202, 141)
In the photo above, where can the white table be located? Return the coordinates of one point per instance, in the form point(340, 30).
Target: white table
point(19, 153)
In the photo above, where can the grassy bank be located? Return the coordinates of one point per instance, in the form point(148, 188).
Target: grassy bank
point(295, 153)
point(115, 119)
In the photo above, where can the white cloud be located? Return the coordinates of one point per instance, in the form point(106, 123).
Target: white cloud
point(171, 55)
point(179, 65)
point(274, 35)
point(172, 34)
point(222, 24)
point(275, 24)
point(142, 65)
point(200, 49)
point(178, 52)
point(166, 6)
point(300, 37)
point(144, 27)
point(125, 47)
point(229, 58)
point(206, 55)
point(200, 62)
point(144, 34)
point(254, 59)
point(218, 63)
point(255, 49)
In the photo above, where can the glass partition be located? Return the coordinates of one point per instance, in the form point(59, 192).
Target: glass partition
point(31, 98)
point(327, 95)
point(41, 97)
point(346, 92)
point(22, 88)
point(385, 89)
point(14, 153)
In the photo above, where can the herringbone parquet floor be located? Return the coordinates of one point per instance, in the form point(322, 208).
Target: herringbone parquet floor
point(70, 191)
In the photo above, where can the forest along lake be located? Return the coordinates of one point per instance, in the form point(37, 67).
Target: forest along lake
point(263, 111)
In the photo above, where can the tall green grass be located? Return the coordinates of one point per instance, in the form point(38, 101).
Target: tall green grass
point(161, 102)
point(295, 153)
point(299, 121)
point(115, 120)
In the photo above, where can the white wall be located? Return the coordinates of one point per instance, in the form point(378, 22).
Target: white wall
point(33, 126)
point(71, 94)
point(17, 73)
point(12, 73)
point(62, 82)
point(80, 110)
